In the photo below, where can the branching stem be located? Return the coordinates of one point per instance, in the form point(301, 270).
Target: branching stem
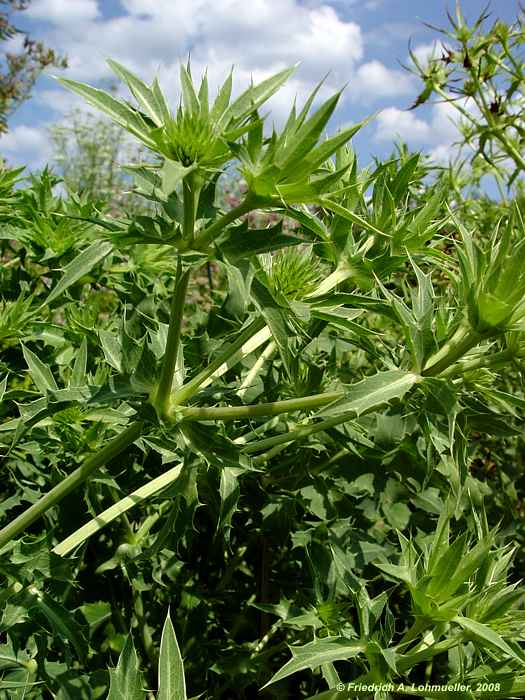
point(70, 483)
point(162, 399)
point(226, 413)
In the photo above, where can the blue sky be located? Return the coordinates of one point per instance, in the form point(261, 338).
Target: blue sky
point(361, 42)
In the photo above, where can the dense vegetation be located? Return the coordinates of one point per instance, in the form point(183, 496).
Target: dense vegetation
point(282, 412)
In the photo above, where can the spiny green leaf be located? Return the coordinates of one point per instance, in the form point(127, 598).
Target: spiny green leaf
point(351, 216)
point(191, 100)
point(140, 91)
point(308, 104)
point(126, 680)
point(62, 621)
point(112, 349)
point(243, 243)
point(486, 634)
point(80, 266)
point(373, 391)
point(222, 100)
point(252, 98)
point(162, 105)
point(172, 684)
point(203, 96)
point(447, 563)
point(317, 653)
point(319, 155)
point(119, 112)
point(307, 136)
point(275, 318)
point(40, 372)
point(229, 491)
point(78, 375)
point(172, 174)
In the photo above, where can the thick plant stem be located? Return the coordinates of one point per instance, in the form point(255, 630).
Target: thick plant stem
point(226, 413)
point(188, 198)
point(497, 360)
point(461, 342)
point(205, 238)
point(162, 399)
point(70, 483)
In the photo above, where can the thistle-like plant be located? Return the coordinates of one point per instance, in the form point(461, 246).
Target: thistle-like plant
point(359, 339)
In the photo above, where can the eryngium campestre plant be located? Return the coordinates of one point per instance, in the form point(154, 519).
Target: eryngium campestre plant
point(329, 399)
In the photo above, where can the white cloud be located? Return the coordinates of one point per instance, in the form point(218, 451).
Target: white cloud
point(439, 133)
point(257, 36)
point(443, 153)
point(374, 81)
point(62, 12)
point(392, 32)
point(394, 123)
point(60, 100)
point(26, 144)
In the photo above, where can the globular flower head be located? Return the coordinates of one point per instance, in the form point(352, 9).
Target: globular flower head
point(199, 135)
point(494, 278)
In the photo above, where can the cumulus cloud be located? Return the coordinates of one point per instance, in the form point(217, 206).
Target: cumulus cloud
point(374, 81)
point(394, 123)
point(157, 35)
point(62, 12)
point(26, 144)
point(439, 131)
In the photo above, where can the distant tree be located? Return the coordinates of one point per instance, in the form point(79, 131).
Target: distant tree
point(19, 70)
point(88, 152)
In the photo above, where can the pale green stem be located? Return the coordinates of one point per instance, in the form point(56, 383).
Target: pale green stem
point(340, 274)
point(254, 432)
point(461, 342)
point(264, 641)
point(70, 483)
point(248, 341)
point(278, 443)
point(150, 521)
point(226, 413)
point(147, 640)
point(116, 510)
point(257, 367)
point(162, 399)
point(409, 660)
point(188, 198)
point(224, 358)
point(498, 359)
point(207, 236)
point(331, 460)
point(297, 434)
